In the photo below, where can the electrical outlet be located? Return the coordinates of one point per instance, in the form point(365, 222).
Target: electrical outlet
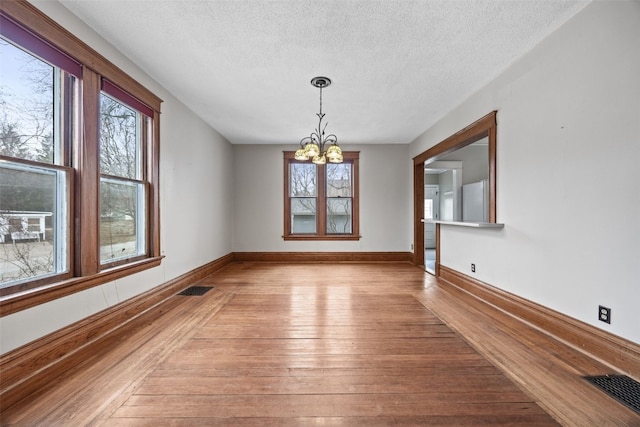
point(473, 268)
point(604, 314)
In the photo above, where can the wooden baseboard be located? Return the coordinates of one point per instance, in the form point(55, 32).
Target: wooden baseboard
point(322, 257)
point(33, 365)
point(622, 355)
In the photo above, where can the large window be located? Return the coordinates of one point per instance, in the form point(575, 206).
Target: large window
point(321, 201)
point(78, 165)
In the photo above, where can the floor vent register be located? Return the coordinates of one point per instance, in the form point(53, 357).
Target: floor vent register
point(196, 290)
point(620, 387)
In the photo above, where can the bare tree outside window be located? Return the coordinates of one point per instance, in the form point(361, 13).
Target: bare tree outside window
point(29, 193)
point(121, 192)
point(339, 193)
point(303, 185)
point(27, 105)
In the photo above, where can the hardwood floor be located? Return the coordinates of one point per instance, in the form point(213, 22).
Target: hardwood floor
point(353, 344)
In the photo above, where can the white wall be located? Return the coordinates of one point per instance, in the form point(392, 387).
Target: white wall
point(195, 196)
point(385, 201)
point(568, 114)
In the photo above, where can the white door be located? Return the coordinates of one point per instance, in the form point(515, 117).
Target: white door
point(431, 211)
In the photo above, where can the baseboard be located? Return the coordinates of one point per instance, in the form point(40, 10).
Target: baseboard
point(322, 257)
point(617, 352)
point(28, 368)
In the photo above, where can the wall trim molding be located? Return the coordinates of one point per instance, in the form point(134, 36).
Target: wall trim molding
point(30, 367)
point(322, 257)
point(621, 354)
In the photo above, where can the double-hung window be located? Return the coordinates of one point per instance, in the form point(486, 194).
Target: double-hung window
point(124, 133)
point(321, 201)
point(79, 160)
point(37, 91)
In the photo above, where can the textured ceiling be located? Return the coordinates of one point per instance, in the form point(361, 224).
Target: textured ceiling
point(397, 66)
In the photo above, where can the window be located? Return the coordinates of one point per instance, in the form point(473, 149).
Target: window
point(122, 188)
point(321, 201)
point(78, 165)
point(34, 180)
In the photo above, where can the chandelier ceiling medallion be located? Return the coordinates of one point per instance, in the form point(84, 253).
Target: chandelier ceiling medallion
point(313, 146)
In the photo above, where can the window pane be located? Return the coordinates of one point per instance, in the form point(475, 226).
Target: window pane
point(339, 216)
point(33, 218)
point(122, 227)
point(303, 215)
point(119, 139)
point(339, 180)
point(27, 96)
point(302, 180)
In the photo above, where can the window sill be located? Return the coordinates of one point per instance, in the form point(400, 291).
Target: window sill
point(22, 300)
point(314, 237)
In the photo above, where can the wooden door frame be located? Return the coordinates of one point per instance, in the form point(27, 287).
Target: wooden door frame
point(484, 127)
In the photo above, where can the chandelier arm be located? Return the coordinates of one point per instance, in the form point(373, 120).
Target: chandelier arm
point(332, 138)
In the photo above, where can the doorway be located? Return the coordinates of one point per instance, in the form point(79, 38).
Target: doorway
point(482, 128)
point(431, 211)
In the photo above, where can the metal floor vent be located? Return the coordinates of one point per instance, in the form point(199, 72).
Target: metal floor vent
point(621, 387)
point(196, 290)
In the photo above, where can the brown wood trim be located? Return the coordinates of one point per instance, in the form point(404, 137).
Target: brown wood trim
point(493, 165)
point(485, 126)
point(321, 257)
point(26, 369)
point(16, 302)
point(476, 130)
point(418, 214)
point(32, 18)
point(437, 269)
point(619, 353)
point(153, 177)
point(324, 237)
point(88, 182)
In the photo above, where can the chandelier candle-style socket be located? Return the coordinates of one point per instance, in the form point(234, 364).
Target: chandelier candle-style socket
point(313, 146)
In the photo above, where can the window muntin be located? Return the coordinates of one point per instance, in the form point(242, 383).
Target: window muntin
point(321, 200)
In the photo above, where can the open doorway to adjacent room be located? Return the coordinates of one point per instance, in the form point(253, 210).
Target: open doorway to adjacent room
point(431, 211)
point(438, 186)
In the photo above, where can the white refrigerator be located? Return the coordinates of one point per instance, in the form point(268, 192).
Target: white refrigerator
point(475, 202)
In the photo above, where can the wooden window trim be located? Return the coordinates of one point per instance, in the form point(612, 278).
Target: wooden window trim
point(321, 234)
point(86, 266)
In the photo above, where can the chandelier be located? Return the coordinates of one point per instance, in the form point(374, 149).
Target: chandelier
point(313, 146)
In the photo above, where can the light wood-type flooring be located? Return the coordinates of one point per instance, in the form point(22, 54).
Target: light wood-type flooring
point(346, 345)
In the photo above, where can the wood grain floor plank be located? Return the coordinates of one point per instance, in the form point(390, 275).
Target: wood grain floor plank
point(533, 420)
point(347, 405)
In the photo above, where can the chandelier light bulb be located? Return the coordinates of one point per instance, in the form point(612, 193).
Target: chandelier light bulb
point(319, 159)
